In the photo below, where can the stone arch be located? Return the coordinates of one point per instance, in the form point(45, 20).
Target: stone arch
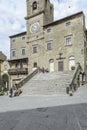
point(34, 5)
point(5, 81)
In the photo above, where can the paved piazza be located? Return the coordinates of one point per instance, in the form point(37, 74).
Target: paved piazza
point(54, 112)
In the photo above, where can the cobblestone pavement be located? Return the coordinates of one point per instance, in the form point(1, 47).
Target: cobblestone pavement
point(52, 112)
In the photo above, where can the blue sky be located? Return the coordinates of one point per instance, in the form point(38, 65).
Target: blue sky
point(12, 13)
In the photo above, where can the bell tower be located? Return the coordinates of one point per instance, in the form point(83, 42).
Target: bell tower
point(39, 13)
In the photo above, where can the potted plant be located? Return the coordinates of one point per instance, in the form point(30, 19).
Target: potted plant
point(72, 67)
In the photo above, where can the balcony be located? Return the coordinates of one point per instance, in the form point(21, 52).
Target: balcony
point(18, 71)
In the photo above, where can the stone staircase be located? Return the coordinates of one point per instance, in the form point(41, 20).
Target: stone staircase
point(48, 83)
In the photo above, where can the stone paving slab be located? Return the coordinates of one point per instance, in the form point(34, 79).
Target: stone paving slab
point(69, 117)
point(29, 102)
point(44, 112)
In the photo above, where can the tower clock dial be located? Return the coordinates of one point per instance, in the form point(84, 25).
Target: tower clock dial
point(34, 27)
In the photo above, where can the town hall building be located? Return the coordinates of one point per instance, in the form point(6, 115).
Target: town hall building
point(52, 45)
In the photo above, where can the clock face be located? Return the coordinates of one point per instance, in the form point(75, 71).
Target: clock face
point(34, 27)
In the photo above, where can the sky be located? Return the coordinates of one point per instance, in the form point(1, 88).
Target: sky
point(12, 13)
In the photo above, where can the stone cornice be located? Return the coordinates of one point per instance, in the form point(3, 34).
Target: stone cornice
point(33, 15)
point(30, 41)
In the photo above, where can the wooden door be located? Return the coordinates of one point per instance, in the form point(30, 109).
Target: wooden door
point(60, 66)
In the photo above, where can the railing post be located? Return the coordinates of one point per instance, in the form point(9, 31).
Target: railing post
point(83, 76)
point(70, 90)
point(76, 80)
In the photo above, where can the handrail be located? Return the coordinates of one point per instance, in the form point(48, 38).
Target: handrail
point(73, 83)
point(27, 78)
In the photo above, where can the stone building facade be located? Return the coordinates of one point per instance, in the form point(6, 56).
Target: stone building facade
point(55, 45)
point(18, 57)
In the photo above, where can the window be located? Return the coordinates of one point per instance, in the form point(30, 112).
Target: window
point(68, 24)
point(46, 3)
point(68, 40)
point(23, 51)
point(23, 38)
point(49, 45)
point(13, 40)
point(34, 47)
point(35, 64)
point(14, 53)
point(51, 9)
point(5, 67)
point(34, 5)
point(48, 30)
point(16, 65)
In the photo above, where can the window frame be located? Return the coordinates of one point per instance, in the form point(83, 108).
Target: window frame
point(23, 49)
point(13, 40)
point(23, 38)
point(34, 5)
point(35, 64)
point(68, 40)
point(34, 49)
point(68, 23)
point(13, 53)
point(48, 30)
point(49, 45)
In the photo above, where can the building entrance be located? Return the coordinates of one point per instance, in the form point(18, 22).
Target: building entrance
point(51, 65)
point(60, 66)
point(71, 62)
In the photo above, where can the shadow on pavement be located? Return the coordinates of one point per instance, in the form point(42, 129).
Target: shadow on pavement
point(69, 117)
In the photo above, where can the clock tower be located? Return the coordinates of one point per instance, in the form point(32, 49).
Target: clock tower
point(39, 13)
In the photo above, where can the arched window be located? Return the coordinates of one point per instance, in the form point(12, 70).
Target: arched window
point(34, 5)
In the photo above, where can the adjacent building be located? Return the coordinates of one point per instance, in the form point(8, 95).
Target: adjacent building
point(2, 60)
point(18, 57)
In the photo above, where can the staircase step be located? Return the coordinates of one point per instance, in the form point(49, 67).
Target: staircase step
point(48, 83)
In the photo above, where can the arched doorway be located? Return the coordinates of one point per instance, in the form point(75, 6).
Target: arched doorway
point(5, 81)
point(71, 62)
point(51, 61)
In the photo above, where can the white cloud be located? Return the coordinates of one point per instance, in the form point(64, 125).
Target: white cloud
point(68, 7)
point(12, 13)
